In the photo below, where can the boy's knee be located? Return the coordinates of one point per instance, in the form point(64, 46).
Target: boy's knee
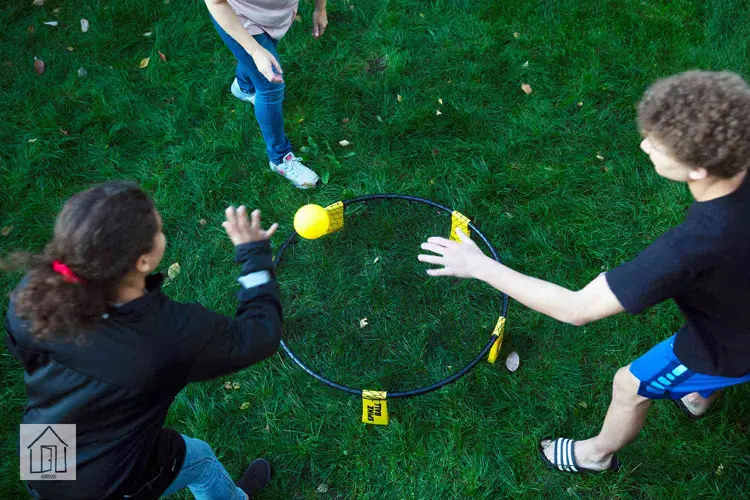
point(200, 449)
point(273, 93)
point(625, 386)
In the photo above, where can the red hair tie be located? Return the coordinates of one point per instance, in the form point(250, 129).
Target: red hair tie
point(65, 272)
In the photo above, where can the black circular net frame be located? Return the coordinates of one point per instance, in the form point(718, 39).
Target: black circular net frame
point(421, 390)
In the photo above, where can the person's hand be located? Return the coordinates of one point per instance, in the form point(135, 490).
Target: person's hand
point(266, 63)
point(320, 22)
point(242, 230)
point(458, 259)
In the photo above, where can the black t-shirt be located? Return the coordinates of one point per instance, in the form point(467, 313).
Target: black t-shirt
point(118, 385)
point(704, 265)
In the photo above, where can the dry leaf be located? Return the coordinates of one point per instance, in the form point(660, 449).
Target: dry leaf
point(64, 132)
point(526, 64)
point(267, 429)
point(322, 488)
point(236, 386)
point(202, 222)
point(351, 7)
point(6, 230)
point(144, 62)
point(363, 323)
point(344, 143)
point(526, 88)
point(399, 98)
point(31, 29)
point(583, 404)
point(379, 118)
point(298, 18)
point(38, 3)
point(38, 66)
point(244, 406)
point(512, 362)
point(82, 72)
point(32, 141)
point(376, 260)
point(147, 34)
point(70, 49)
point(580, 103)
point(440, 101)
point(599, 157)
point(345, 120)
point(516, 35)
point(300, 120)
point(437, 112)
point(51, 23)
point(432, 182)
point(173, 270)
point(162, 56)
point(228, 386)
point(421, 15)
point(84, 25)
point(55, 11)
point(720, 470)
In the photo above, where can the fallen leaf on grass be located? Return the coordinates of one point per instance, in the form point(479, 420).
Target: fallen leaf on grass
point(363, 323)
point(379, 118)
point(580, 103)
point(31, 29)
point(583, 404)
point(344, 143)
point(526, 64)
point(82, 72)
point(202, 222)
point(173, 270)
point(399, 98)
point(144, 62)
point(322, 488)
point(526, 88)
point(421, 15)
point(32, 141)
point(267, 429)
point(228, 386)
point(345, 120)
point(69, 48)
point(300, 120)
point(162, 56)
point(244, 406)
point(51, 23)
point(512, 361)
point(38, 3)
point(720, 470)
point(84, 25)
point(376, 260)
point(351, 7)
point(599, 157)
point(147, 34)
point(437, 112)
point(6, 230)
point(64, 132)
point(236, 386)
point(516, 35)
point(55, 11)
point(440, 101)
point(38, 66)
point(298, 18)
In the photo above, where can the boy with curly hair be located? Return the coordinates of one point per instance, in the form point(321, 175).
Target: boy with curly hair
point(696, 129)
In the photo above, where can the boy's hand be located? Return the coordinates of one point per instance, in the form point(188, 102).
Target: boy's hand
point(320, 22)
point(462, 260)
point(242, 230)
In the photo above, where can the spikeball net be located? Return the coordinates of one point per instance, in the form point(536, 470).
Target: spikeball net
point(365, 318)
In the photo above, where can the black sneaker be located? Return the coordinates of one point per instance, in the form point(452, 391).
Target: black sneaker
point(256, 477)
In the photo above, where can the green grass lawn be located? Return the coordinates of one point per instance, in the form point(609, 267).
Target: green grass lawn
point(524, 167)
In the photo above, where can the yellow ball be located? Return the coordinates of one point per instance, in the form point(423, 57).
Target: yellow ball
point(311, 221)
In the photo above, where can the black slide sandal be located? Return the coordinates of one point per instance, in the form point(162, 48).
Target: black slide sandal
point(563, 452)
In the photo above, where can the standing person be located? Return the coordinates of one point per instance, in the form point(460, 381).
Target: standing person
point(103, 348)
point(696, 129)
point(251, 29)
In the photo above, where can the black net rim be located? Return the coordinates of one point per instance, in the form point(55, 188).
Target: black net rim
point(422, 390)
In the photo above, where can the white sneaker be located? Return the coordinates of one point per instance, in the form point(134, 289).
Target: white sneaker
point(292, 168)
point(239, 94)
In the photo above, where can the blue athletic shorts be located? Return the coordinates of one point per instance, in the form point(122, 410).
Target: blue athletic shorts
point(663, 376)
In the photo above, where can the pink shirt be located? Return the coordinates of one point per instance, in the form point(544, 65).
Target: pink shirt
point(273, 17)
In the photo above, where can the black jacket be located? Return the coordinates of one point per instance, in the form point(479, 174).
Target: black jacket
point(118, 385)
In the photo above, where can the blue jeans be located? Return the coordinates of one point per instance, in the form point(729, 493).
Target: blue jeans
point(269, 96)
point(204, 475)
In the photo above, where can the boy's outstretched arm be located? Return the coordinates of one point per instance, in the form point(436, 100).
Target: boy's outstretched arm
point(465, 260)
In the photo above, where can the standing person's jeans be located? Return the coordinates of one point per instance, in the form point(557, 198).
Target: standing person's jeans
point(269, 96)
point(204, 475)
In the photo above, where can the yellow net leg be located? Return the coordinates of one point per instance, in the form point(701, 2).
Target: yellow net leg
point(374, 407)
point(335, 217)
point(459, 221)
point(498, 332)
